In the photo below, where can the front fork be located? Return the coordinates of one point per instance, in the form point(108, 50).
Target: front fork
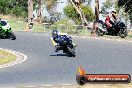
point(7, 32)
point(57, 48)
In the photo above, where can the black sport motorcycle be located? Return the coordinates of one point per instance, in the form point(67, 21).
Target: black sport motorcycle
point(65, 43)
point(117, 29)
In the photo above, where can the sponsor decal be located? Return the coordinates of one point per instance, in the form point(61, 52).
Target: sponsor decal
point(83, 78)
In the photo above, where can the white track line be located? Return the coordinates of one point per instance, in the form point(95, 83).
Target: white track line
point(14, 52)
point(65, 84)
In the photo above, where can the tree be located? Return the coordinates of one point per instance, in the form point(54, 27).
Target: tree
point(127, 5)
point(30, 8)
point(65, 25)
point(88, 2)
point(39, 14)
point(71, 12)
point(17, 8)
point(54, 17)
point(50, 4)
point(107, 5)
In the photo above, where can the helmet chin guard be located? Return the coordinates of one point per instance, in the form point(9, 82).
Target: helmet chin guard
point(55, 32)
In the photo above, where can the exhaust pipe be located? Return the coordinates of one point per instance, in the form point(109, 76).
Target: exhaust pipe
point(102, 29)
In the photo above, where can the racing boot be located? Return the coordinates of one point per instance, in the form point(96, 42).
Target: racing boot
point(56, 48)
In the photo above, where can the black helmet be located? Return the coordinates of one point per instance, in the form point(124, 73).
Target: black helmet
point(55, 33)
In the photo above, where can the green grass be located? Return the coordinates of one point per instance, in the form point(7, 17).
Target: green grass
point(17, 25)
point(6, 57)
point(84, 32)
point(20, 25)
point(130, 34)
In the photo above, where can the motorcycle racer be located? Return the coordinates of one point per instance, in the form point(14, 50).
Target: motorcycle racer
point(112, 26)
point(55, 38)
point(111, 18)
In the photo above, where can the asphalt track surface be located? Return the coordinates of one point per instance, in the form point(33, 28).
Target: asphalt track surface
point(45, 67)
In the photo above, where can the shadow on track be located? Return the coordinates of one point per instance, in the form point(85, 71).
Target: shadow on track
point(59, 55)
point(3, 38)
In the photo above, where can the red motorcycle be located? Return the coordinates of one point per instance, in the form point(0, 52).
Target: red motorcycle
point(117, 29)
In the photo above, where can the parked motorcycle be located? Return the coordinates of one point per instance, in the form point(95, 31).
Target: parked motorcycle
point(65, 43)
point(117, 29)
point(5, 30)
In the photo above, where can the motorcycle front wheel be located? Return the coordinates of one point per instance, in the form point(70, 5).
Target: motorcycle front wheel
point(11, 35)
point(123, 34)
point(71, 52)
